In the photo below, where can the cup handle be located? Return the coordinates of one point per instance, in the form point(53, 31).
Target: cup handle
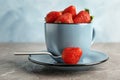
point(93, 36)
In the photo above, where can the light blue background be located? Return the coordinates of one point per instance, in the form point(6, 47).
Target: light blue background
point(23, 20)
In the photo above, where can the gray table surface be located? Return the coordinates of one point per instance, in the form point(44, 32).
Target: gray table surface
point(20, 68)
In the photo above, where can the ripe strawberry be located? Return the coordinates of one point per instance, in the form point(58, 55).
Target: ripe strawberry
point(65, 18)
point(71, 55)
point(52, 16)
point(83, 17)
point(71, 9)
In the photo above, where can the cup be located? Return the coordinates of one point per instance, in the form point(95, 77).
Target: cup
point(60, 36)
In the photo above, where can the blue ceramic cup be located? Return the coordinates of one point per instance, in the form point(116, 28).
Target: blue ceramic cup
point(60, 36)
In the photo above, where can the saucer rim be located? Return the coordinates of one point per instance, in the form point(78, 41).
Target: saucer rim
point(69, 65)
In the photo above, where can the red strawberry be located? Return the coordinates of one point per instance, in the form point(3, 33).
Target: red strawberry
point(71, 55)
point(52, 16)
point(83, 17)
point(71, 9)
point(65, 18)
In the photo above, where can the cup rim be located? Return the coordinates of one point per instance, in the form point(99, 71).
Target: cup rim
point(69, 24)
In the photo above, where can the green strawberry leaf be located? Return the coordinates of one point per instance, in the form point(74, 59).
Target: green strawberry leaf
point(91, 17)
point(87, 10)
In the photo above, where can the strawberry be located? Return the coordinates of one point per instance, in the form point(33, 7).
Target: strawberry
point(71, 9)
point(71, 55)
point(52, 16)
point(65, 18)
point(83, 17)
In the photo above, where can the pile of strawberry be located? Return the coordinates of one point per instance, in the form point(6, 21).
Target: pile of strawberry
point(69, 16)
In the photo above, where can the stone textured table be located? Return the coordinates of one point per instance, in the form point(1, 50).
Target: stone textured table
point(20, 68)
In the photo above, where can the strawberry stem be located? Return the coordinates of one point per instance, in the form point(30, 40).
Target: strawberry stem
point(87, 10)
point(91, 17)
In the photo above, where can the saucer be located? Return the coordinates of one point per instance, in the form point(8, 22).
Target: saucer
point(93, 58)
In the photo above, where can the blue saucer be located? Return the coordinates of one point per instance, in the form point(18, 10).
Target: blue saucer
point(93, 58)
